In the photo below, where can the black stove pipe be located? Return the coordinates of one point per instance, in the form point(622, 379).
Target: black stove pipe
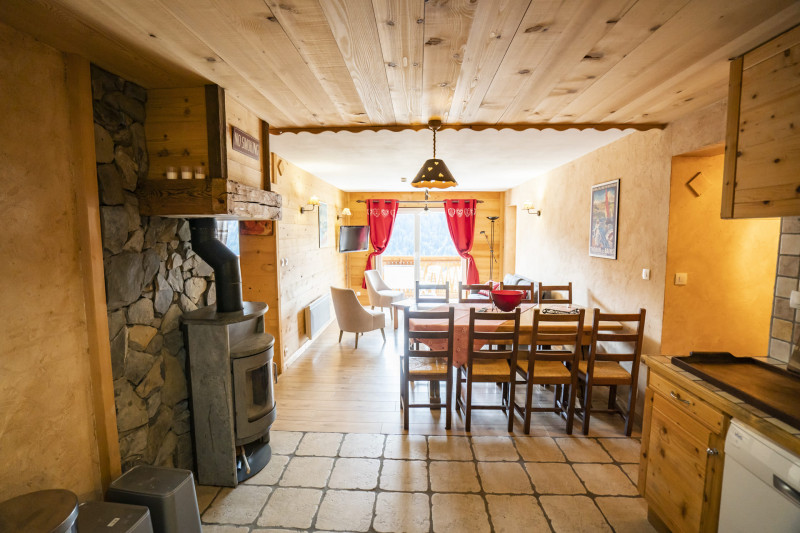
point(225, 263)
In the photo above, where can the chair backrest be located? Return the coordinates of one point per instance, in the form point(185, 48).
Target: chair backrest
point(546, 293)
point(633, 334)
point(424, 299)
point(527, 288)
point(566, 331)
point(375, 283)
point(465, 291)
point(350, 314)
point(429, 328)
point(493, 344)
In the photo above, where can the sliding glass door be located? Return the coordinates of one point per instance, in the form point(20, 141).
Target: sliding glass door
point(420, 249)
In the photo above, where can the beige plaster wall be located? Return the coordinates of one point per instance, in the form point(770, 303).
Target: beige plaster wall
point(727, 303)
point(47, 435)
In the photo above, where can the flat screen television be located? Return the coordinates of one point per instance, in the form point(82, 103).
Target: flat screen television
point(353, 239)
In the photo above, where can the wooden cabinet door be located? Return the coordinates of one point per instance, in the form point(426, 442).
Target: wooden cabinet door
point(678, 485)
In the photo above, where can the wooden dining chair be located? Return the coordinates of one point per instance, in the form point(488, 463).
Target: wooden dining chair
point(604, 369)
point(427, 299)
point(552, 360)
point(527, 288)
point(427, 356)
point(494, 361)
point(545, 293)
point(470, 293)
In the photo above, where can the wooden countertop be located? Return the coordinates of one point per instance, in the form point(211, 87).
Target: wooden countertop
point(778, 431)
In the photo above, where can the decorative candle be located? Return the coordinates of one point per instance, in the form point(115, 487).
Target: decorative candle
point(172, 173)
point(186, 173)
point(199, 173)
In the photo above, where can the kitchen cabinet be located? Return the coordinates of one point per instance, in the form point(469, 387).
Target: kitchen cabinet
point(682, 456)
point(762, 145)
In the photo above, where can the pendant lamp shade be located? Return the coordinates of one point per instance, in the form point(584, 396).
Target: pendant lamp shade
point(434, 174)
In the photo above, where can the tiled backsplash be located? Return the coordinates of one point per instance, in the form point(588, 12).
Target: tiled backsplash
point(785, 329)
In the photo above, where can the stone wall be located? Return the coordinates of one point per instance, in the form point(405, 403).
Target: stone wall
point(152, 277)
point(785, 331)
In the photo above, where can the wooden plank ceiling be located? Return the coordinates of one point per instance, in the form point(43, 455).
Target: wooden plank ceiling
point(313, 64)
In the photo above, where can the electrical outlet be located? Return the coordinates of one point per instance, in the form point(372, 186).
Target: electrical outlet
point(681, 278)
point(645, 273)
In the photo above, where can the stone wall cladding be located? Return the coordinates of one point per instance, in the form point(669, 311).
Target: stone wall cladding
point(152, 276)
point(785, 328)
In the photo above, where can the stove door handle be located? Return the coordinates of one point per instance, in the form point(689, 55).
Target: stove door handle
point(786, 490)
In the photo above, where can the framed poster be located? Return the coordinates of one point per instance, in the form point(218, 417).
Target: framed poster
point(604, 220)
point(323, 225)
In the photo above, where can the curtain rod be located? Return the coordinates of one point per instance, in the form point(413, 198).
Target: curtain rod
point(412, 201)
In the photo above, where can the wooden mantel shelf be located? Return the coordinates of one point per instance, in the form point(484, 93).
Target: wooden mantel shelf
point(215, 197)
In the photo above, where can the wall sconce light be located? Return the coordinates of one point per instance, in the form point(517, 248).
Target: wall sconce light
point(345, 213)
point(312, 203)
point(528, 206)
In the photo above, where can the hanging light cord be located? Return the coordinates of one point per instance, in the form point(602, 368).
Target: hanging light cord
point(434, 144)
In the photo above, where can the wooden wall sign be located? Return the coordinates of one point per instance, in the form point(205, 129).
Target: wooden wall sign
point(245, 143)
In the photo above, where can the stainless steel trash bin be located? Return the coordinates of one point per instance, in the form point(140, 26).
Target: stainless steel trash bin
point(48, 511)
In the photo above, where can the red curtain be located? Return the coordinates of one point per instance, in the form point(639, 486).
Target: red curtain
point(381, 215)
point(461, 223)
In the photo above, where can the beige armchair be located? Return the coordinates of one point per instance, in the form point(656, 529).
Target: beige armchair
point(380, 295)
point(351, 315)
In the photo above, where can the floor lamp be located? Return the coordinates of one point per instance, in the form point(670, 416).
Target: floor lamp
point(491, 247)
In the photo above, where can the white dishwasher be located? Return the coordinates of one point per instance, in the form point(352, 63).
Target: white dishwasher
point(760, 484)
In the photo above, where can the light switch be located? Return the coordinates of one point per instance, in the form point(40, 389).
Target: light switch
point(645, 273)
point(681, 278)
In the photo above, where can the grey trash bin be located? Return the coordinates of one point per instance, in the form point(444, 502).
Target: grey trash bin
point(46, 511)
point(110, 517)
point(168, 493)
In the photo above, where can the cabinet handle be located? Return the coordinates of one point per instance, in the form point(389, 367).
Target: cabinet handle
point(712, 451)
point(678, 397)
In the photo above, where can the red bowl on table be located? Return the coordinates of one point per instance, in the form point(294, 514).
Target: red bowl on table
point(507, 300)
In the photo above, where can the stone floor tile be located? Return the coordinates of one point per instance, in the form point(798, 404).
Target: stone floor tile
point(573, 513)
point(494, 449)
point(605, 479)
point(271, 473)
point(355, 473)
point(346, 510)
point(291, 508)
point(504, 478)
point(554, 478)
point(459, 513)
point(284, 442)
point(406, 447)
point(453, 476)
point(583, 450)
point(307, 472)
point(270, 530)
point(626, 515)
point(205, 495)
point(513, 514)
point(623, 450)
point(449, 448)
point(402, 511)
point(633, 472)
point(538, 449)
point(362, 445)
point(320, 444)
point(407, 476)
point(241, 505)
point(225, 529)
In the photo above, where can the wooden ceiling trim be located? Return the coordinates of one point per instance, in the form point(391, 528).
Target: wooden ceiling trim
point(148, 23)
point(475, 127)
point(73, 32)
point(353, 25)
point(541, 27)
point(306, 26)
point(688, 37)
point(493, 27)
point(585, 29)
point(401, 32)
point(632, 29)
point(447, 28)
point(221, 28)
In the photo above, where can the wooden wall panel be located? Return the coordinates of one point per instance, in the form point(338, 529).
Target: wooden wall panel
point(241, 167)
point(176, 130)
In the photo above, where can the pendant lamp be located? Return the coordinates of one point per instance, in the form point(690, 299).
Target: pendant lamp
point(434, 174)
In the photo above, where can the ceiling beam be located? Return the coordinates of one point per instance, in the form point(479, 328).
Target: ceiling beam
point(476, 127)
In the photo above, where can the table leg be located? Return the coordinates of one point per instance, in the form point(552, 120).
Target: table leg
point(395, 316)
point(434, 394)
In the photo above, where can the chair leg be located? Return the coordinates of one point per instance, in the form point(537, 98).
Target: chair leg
point(406, 410)
point(528, 406)
point(383, 335)
point(573, 390)
point(587, 407)
point(631, 409)
point(340, 335)
point(612, 397)
point(356, 340)
point(468, 415)
point(449, 401)
point(511, 384)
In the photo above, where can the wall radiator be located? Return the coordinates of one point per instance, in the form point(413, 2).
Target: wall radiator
point(318, 315)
